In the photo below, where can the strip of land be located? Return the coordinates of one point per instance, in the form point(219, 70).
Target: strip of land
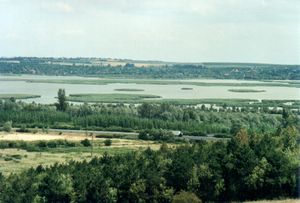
point(18, 96)
point(157, 82)
point(245, 90)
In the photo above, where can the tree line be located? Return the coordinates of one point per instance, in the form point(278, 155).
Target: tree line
point(41, 66)
point(135, 118)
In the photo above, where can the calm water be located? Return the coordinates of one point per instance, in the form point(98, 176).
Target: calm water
point(48, 91)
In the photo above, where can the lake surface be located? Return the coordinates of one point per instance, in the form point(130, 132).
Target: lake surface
point(48, 91)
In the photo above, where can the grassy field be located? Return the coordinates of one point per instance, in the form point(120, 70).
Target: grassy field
point(14, 160)
point(18, 96)
point(245, 90)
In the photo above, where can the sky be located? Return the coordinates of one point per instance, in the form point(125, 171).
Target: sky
point(263, 31)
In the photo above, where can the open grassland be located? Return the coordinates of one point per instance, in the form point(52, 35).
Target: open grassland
point(14, 160)
point(18, 96)
point(245, 90)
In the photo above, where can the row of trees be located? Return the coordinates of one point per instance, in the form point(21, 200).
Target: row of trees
point(248, 167)
point(128, 118)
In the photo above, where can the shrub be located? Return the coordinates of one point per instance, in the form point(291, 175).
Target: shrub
point(42, 144)
point(86, 142)
point(7, 126)
point(70, 144)
point(35, 130)
point(11, 144)
point(52, 144)
point(107, 142)
point(23, 129)
point(8, 159)
point(16, 156)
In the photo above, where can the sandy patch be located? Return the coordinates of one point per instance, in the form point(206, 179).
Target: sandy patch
point(40, 136)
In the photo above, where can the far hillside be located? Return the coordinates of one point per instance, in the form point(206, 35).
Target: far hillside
point(126, 68)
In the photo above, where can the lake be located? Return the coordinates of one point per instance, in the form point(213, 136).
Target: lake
point(48, 91)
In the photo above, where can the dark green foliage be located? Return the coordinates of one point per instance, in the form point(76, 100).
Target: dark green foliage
point(107, 142)
point(23, 129)
point(130, 118)
point(153, 134)
point(62, 100)
point(86, 143)
point(37, 145)
point(244, 168)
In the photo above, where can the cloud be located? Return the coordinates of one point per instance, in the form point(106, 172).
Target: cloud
point(59, 7)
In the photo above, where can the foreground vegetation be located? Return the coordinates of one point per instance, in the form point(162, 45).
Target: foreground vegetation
point(248, 167)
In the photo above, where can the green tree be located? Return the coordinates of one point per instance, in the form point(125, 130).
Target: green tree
point(62, 104)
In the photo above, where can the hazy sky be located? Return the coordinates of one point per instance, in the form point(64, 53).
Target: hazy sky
point(170, 30)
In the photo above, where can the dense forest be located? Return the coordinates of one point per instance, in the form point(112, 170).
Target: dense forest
point(84, 67)
point(248, 167)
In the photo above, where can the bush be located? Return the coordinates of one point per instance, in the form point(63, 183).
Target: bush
point(23, 129)
point(8, 159)
point(110, 136)
point(12, 144)
point(70, 144)
point(52, 144)
point(16, 156)
point(7, 126)
point(154, 134)
point(86, 142)
point(222, 136)
point(42, 144)
point(108, 142)
point(35, 130)
point(197, 133)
